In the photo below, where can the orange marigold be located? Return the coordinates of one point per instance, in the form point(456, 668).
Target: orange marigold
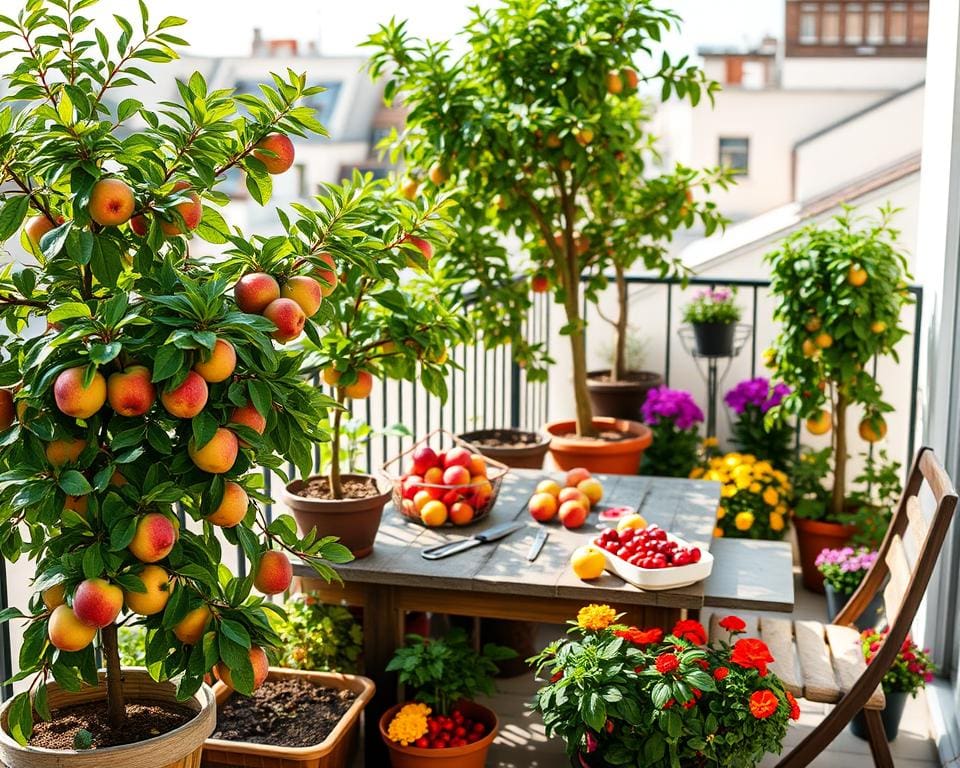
point(763, 704)
point(596, 617)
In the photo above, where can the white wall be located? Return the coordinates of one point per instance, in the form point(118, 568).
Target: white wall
point(850, 73)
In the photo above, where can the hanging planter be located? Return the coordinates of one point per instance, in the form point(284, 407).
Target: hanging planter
point(714, 339)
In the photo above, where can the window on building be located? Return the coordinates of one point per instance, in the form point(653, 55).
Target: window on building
point(918, 22)
point(897, 32)
point(808, 23)
point(853, 31)
point(876, 24)
point(830, 24)
point(734, 154)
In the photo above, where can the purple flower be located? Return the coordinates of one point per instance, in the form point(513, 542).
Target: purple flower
point(756, 393)
point(674, 405)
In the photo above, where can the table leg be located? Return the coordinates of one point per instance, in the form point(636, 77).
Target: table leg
point(382, 635)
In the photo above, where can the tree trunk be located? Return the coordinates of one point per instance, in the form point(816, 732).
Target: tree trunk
point(116, 706)
point(577, 348)
point(336, 486)
point(839, 496)
point(620, 357)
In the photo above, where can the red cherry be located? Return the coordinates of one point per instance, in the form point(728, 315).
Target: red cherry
point(421, 743)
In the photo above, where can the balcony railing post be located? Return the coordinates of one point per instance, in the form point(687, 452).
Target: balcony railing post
point(515, 388)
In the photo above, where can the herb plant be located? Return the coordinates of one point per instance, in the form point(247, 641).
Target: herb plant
point(319, 637)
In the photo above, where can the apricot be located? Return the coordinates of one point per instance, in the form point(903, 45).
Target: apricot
point(248, 416)
point(614, 83)
point(78, 504)
point(188, 399)
point(255, 291)
point(66, 451)
point(190, 210)
point(97, 602)
point(158, 584)
point(572, 514)
point(549, 486)
point(274, 573)
point(630, 78)
point(117, 480)
point(76, 400)
point(259, 662)
point(111, 202)
point(331, 376)
point(139, 225)
point(130, 392)
point(54, 596)
point(153, 539)
point(305, 291)
point(218, 364)
point(409, 188)
point(631, 521)
point(288, 318)
point(279, 153)
point(7, 411)
point(461, 513)
point(189, 630)
point(422, 498)
point(543, 506)
point(592, 489)
point(457, 457)
point(232, 508)
point(217, 456)
point(38, 226)
point(456, 475)
point(67, 632)
point(553, 141)
point(576, 476)
point(425, 248)
point(588, 562)
point(327, 277)
point(361, 388)
point(820, 423)
point(482, 490)
point(574, 495)
point(856, 276)
point(434, 513)
point(477, 465)
point(871, 434)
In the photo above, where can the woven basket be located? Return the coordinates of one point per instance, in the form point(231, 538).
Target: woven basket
point(179, 748)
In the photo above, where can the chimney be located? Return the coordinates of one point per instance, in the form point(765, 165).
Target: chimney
point(257, 47)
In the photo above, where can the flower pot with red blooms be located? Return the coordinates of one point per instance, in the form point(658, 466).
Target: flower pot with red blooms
point(442, 480)
point(674, 419)
point(159, 388)
point(700, 702)
point(713, 314)
point(441, 726)
point(554, 182)
point(911, 671)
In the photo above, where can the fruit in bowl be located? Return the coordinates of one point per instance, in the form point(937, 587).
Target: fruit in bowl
point(648, 547)
point(571, 503)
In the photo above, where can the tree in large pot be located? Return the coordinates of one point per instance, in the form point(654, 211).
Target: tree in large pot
point(526, 121)
point(839, 290)
point(386, 317)
point(127, 446)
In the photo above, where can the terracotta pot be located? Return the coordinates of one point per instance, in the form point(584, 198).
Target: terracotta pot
point(619, 457)
point(471, 756)
point(528, 456)
point(354, 521)
point(179, 748)
point(335, 751)
point(714, 339)
point(813, 536)
point(621, 399)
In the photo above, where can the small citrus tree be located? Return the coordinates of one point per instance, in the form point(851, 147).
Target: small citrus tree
point(840, 291)
point(528, 122)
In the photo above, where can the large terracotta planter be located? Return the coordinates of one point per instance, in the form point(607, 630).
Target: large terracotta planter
point(620, 399)
point(179, 748)
point(813, 536)
point(614, 457)
point(354, 521)
point(528, 456)
point(471, 756)
point(336, 751)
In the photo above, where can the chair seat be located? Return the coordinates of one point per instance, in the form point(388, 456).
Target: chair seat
point(818, 662)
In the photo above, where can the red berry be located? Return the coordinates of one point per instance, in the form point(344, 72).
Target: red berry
point(421, 743)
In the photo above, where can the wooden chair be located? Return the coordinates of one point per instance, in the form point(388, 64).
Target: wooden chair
point(824, 663)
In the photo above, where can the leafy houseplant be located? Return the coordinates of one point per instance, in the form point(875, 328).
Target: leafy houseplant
point(714, 314)
point(842, 571)
point(94, 469)
point(673, 417)
point(876, 492)
point(620, 695)
point(319, 637)
point(528, 122)
point(754, 431)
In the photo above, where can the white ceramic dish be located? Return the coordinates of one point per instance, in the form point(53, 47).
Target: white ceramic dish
point(656, 579)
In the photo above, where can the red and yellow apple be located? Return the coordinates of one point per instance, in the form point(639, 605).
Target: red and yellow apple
point(232, 508)
point(188, 399)
point(274, 573)
point(153, 539)
point(67, 632)
point(255, 291)
point(97, 602)
point(76, 399)
point(305, 291)
point(288, 318)
point(158, 584)
point(130, 392)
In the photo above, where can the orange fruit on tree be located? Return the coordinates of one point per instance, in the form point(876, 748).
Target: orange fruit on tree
point(878, 326)
point(588, 562)
point(813, 324)
point(873, 430)
point(820, 424)
point(809, 347)
point(824, 340)
point(856, 276)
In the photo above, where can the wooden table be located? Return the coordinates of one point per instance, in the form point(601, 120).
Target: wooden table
point(496, 580)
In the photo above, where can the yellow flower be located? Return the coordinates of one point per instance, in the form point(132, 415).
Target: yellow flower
point(755, 487)
point(740, 471)
point(781, 509)
point(743, 521)
point(714, 475)
point(409, 724)
point(748, 459)
point(718, 533)
point(721, 512)
point(728, 491)
point(771, 497)
point(710, 442)
point(742, 482)
point(776, 521)
point(696, 472)
point(762, 467)
point(596, 617)
point(780, 476)
point(731, 460)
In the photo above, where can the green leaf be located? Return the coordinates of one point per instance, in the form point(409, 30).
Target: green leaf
point(20, 718)
point(168, 362)
point(68, 311)
point(92, 562)
point(12, 214)
point(73, 483)
point(236, 632)
point(594, 711)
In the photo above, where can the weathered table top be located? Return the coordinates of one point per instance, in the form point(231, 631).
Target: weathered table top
point(686, 508)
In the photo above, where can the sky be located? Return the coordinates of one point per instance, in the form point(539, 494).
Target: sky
point(225, 27)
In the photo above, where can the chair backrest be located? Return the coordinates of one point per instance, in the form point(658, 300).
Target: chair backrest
point(909, 551)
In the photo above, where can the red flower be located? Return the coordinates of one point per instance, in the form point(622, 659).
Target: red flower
point(668, 704)
point(733, 624)
point(690, 630)
point(763, 704)
point(794, 707)
point(720, 673)
point(689, 703)
point(751, 653)
point(667, 663)
point(702, 663)
point(640, 636)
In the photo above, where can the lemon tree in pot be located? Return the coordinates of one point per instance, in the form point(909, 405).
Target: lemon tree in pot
point(525, 123)
point(126, 443)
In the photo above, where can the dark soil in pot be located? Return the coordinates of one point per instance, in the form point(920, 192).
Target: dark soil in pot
point(283, 713)
point(145, 720)
point(514, 447)
point(623, 398)
point(354, 487)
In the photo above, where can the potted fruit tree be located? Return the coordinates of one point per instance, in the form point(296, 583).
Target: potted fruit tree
point(378, 323)
point(527, 121)
point(136, 402)
point(839, 292)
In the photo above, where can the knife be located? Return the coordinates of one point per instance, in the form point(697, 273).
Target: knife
point(462, 545)
point(538, 541)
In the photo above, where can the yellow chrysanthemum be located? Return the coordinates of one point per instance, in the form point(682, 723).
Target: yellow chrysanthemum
point(721, 513)
point(696, 472)
point(714, 475)
point(710, 442)
point(743, 521)
point(748, 459)
point(728, 491)
point(718, 532)
point(716, 463)
point(780, 476)
point(596, 617)
point(781, 509)
point(762, 467)
point(776, 521)
point(409, 724)
point(732, 459)
point(755, 487)
point(741, 470)
point(771, 497)
point(742, 482)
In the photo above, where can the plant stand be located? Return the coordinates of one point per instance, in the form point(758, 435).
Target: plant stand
point(709, 366)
